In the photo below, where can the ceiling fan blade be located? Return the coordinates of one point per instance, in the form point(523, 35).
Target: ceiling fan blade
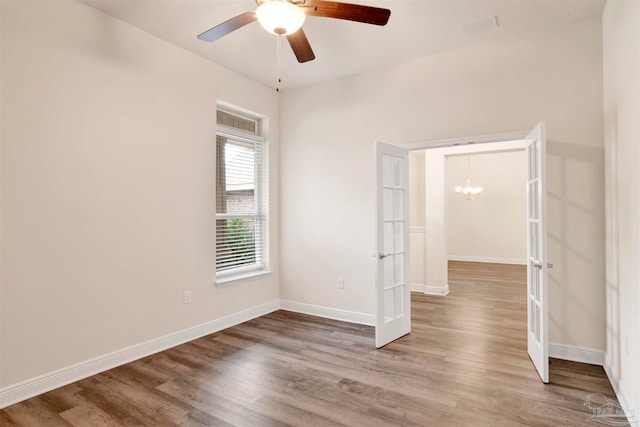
point(300, 46)
point(227, 27)
point(350, 12)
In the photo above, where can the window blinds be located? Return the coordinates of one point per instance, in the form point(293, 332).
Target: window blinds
point(239, 219)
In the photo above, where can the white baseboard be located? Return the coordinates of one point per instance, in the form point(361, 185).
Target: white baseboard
point(436, 290)
point(633, 416)
point(61, 377)
point(417, 287)
point(328, 312)
point(576, 354)
point(518, 261)
point(430, 290)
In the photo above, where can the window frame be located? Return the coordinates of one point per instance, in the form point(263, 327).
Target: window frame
point(231, 276)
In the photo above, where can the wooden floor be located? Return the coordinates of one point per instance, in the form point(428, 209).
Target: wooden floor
point(464, 364)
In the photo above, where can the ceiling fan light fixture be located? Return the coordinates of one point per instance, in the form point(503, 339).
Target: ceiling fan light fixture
point(280, 17)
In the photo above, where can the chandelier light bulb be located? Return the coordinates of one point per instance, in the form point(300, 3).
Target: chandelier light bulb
point(468, 192)
point(280, 17)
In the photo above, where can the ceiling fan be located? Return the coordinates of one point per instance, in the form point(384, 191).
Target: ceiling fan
point(285, 18)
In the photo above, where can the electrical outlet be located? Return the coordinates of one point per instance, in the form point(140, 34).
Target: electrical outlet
point(340, 283)
point(187, 297)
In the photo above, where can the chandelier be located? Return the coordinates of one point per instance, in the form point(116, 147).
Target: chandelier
point(469, 192)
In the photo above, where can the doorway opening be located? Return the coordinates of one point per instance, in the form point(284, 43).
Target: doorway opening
point(437, 236)
point(436, 242)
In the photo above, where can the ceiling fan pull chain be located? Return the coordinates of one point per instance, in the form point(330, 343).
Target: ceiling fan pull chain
point(278, 62)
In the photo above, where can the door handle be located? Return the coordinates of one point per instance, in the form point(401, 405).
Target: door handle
point(381, 256)
point(538, 264)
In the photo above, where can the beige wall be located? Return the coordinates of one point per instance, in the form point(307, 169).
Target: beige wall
point(493, 227)
point(327, 157)
point(621, 56)
point(417, 188)
point(108, 187)
point(417, 218)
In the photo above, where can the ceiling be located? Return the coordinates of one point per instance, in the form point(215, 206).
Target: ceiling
point(417, 28)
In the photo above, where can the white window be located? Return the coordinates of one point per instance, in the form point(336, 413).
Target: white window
point(240, 219)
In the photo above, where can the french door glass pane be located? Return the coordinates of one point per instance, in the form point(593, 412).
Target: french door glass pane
point(387, 171)
point(387, 204)
point(388, 237)
point(397, 171)
point(388, 271)
point(388, 305)
point(398, 205)
point(399, 300)
point(398, 276)
point(398, 232)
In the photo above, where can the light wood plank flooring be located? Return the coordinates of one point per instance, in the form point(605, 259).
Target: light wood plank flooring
point(464, 364)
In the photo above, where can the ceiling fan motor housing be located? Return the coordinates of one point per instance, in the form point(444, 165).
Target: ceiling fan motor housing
point(280, 17)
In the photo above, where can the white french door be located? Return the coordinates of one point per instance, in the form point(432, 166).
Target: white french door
point(393, 290)
point(537, 337)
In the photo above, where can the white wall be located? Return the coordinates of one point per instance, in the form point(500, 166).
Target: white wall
point(108, 145)
point(493, 227)
point(327, 174)
point(621, 57)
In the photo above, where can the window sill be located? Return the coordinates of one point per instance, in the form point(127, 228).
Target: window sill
point(234, 279)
